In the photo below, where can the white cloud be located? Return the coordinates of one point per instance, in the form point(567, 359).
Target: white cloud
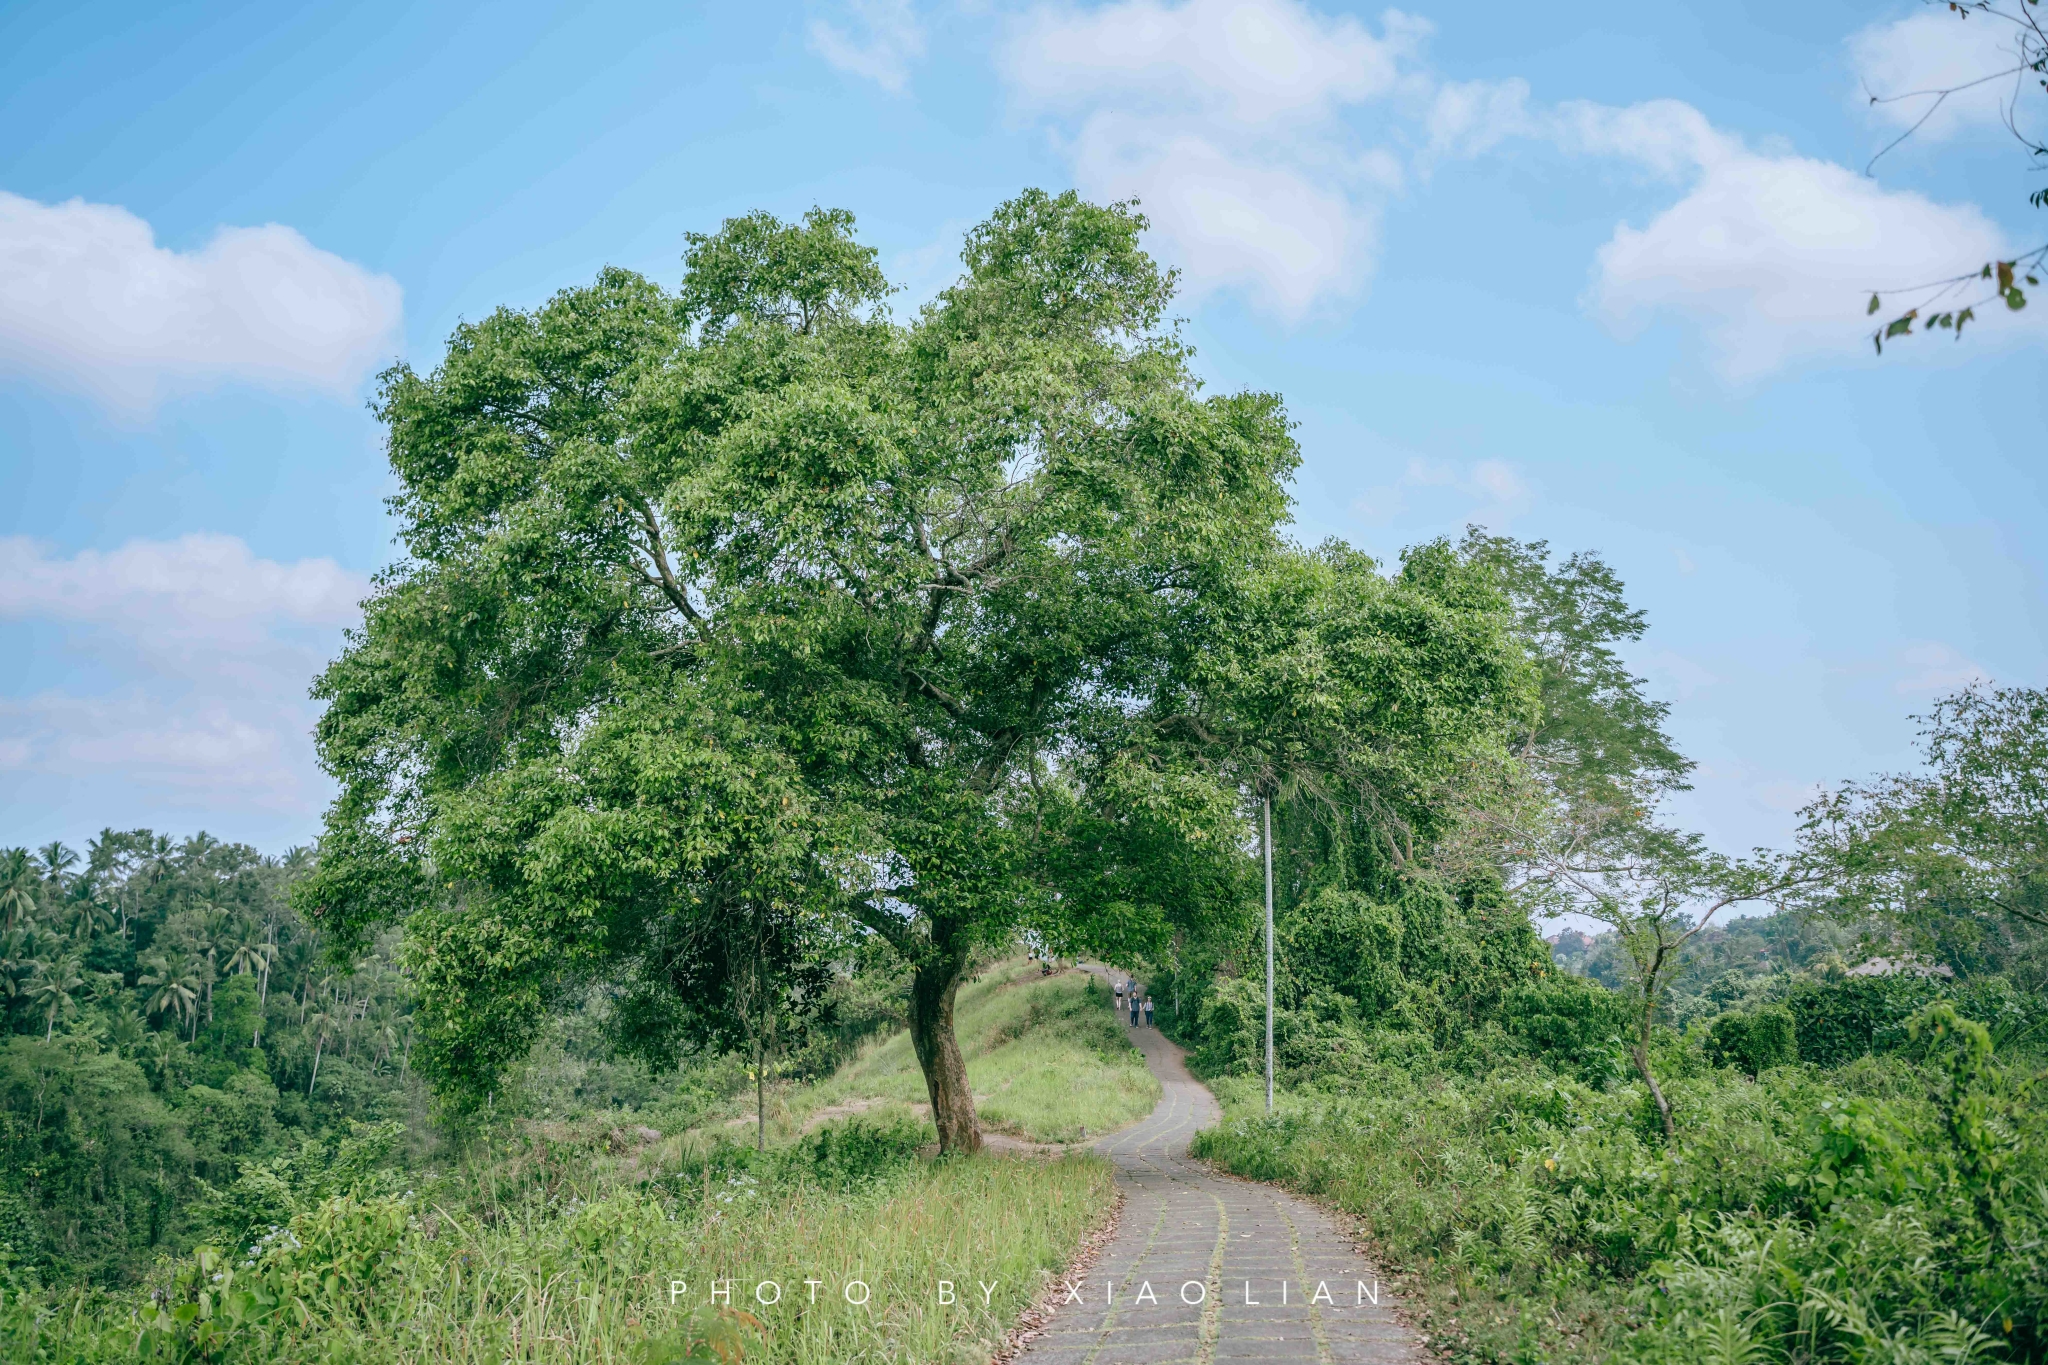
point(88, 296)
point(1931, 668)
point(1233, 221)
point(1265, 138)
point(1253, 61)
point(1668, 138)
point(1489, 492)
point(1769, 255)
point(240, 751)
point(209, 650)
point(882, 41)
point(1467, 118)
point(207, 587)
point(1501, 484)
point(1906, 64)
point(1229, 119)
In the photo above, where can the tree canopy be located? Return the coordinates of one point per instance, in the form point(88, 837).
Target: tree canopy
point(1952, 858)
point(751, 605)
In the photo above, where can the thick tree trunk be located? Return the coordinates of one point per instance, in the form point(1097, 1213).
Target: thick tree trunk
point(1641, 1053)
point(932, 989)
point(1651, 988)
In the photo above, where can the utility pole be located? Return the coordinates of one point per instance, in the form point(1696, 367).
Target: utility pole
point(1266, 843)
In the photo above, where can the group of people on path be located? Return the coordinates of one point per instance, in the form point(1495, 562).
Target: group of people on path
point(1127, 994)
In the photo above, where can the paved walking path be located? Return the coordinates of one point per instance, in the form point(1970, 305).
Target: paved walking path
point(1209, 1269)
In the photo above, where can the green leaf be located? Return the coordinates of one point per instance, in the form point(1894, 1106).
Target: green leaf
point(2015, 300)
point(1873, 304)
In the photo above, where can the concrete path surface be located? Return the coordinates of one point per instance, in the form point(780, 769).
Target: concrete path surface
point(1210, 1269)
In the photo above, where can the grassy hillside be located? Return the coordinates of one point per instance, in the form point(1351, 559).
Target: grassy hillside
point(1045, 1055)
point(560, 1240)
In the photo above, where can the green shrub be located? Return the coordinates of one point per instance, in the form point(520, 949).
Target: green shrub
point(87, 1153)
point(1232, 1027)
point(1753, 1041)
point(2015, 1019)
point(1841, 1020)
point(1344, 943)
point(1880, 1211)
point(861, 1151)
point(1578, 1025)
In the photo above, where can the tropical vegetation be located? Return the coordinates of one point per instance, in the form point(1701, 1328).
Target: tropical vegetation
point(764, 672)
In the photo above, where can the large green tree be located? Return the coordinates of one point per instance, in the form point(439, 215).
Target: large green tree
point(1595, 737)
point(1953, 857)
point(751, 602)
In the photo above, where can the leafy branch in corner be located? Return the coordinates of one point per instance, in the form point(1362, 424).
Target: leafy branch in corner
point(1935, 305)
point(2007, 276)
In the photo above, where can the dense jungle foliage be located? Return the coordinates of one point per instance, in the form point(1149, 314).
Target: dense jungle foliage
point(183, 1061)
point(1811, 1135)
point(557, 1230)
point(172, 1024)
point(1860, 1171)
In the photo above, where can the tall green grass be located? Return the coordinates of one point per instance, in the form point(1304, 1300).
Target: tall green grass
point(566, 1278)
point(564, 1241)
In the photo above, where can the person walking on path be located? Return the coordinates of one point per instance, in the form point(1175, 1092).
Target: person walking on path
point(1134, 1004)
point(1148, 1011)
point(1118, 987)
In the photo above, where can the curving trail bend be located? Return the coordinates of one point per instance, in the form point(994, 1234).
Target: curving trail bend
point(1208, 1269)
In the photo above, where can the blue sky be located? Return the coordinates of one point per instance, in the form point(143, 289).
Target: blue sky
point(1592, 277)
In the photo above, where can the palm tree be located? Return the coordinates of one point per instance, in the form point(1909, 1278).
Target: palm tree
point(325, 986)
point(54, 990)
point(158, 858)
point(319, 1024)
point(56, 862)
point(89, 916)
point(207, 981)
point(242, 961)
point(176, 990)
point(255, 957)
point(17, 951)
point(17, 886)
point(162, 1054)
point(271, 952)
point(297, 860)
